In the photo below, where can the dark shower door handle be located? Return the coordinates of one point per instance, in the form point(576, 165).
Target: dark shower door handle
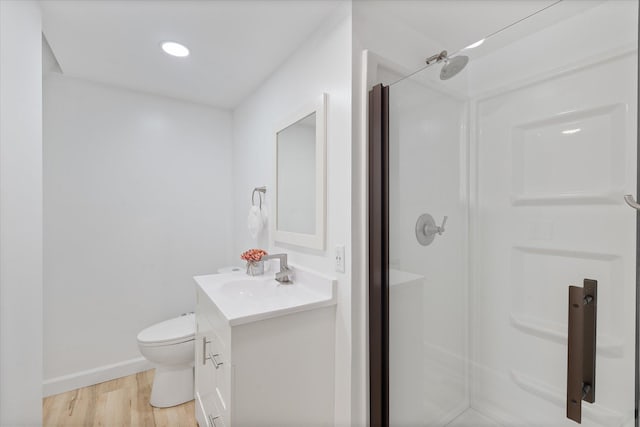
point(581, 348)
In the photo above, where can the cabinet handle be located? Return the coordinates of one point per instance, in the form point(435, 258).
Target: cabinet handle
point(212, 420)
point(204, 350)
point(212, 357)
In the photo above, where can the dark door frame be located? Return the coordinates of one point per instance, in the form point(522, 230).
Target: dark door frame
point(379, 256)
point(637, 392)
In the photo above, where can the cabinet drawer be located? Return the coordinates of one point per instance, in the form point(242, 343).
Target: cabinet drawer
point(222, 412)
point(220, 365)
point(213, 415)
point(204, 408)
point(209, 408)
point(218, 421)
point(212, 368)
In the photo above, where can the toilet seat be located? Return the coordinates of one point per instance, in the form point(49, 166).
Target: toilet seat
point(170, 332)
point(164, 343)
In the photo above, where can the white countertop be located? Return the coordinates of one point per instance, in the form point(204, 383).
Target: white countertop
point(243, 299)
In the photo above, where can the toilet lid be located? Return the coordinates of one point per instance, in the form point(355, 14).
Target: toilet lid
point(178, 329)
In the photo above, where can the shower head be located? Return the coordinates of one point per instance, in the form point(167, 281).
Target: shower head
point(453, 66)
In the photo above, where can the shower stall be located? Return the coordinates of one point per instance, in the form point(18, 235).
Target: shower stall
point(503, 256)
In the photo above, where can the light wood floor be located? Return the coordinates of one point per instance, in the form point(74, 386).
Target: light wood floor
point(121, 402)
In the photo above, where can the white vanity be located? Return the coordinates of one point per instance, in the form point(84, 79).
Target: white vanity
point(265, 350)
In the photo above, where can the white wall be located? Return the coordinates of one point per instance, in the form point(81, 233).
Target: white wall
point(136, 201)
point(322, 64)
point(20, 214)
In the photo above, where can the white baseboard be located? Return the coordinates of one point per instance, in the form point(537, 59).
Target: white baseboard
point(94, 376)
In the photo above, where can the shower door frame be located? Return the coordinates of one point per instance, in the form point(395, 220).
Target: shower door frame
point(378, 259)
point(379, 256)
point(637, 367)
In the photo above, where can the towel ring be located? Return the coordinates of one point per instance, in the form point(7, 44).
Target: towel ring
point(261, 191)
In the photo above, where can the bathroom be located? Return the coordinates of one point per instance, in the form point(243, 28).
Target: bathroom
point(140, 172)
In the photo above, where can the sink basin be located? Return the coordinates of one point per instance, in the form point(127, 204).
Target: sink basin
point(246, 299)
point(250, 288)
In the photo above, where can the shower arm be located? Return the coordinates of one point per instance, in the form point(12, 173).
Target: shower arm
point(438, 57)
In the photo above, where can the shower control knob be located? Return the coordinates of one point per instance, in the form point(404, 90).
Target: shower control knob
point(426, 229)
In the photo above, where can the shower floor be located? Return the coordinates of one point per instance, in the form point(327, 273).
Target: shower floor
point(472, 418)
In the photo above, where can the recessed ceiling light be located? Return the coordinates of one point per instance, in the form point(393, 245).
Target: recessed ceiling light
point(175, 49)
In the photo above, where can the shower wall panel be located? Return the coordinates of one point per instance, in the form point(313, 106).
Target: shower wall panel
point(553, 161)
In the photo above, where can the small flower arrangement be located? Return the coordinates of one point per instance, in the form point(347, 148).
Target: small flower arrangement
point(255, 266)
point(253, 255)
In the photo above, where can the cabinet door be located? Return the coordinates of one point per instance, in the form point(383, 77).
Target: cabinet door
point(220, 364)
point(204, 373)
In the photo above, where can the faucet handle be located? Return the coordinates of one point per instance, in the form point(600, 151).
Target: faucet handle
point(441, 228)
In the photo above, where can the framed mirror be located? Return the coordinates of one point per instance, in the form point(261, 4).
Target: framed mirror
point(300, 147)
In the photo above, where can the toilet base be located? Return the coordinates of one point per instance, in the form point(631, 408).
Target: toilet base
point(172, 385)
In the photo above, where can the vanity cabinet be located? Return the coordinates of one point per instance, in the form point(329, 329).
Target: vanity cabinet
point(212, 370)
point(273, 371)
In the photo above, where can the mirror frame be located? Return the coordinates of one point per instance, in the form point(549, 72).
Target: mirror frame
point(316, 240)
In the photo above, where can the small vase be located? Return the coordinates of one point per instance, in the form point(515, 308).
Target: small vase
point(255, 268)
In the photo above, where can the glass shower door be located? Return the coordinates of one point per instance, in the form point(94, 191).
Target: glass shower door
point(428, 308)
point(506, 185)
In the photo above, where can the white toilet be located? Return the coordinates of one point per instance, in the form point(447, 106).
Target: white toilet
point(170, 345)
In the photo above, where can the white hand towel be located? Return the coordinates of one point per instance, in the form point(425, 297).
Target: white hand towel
point(264, 217)
point(254, 221)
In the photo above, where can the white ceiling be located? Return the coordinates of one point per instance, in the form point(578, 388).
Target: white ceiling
point(235, 45)
point(454, 24)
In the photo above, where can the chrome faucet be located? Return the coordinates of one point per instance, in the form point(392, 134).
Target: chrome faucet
point(285, 275)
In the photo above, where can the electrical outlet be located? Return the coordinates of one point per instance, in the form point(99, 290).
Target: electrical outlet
point(340, 262)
